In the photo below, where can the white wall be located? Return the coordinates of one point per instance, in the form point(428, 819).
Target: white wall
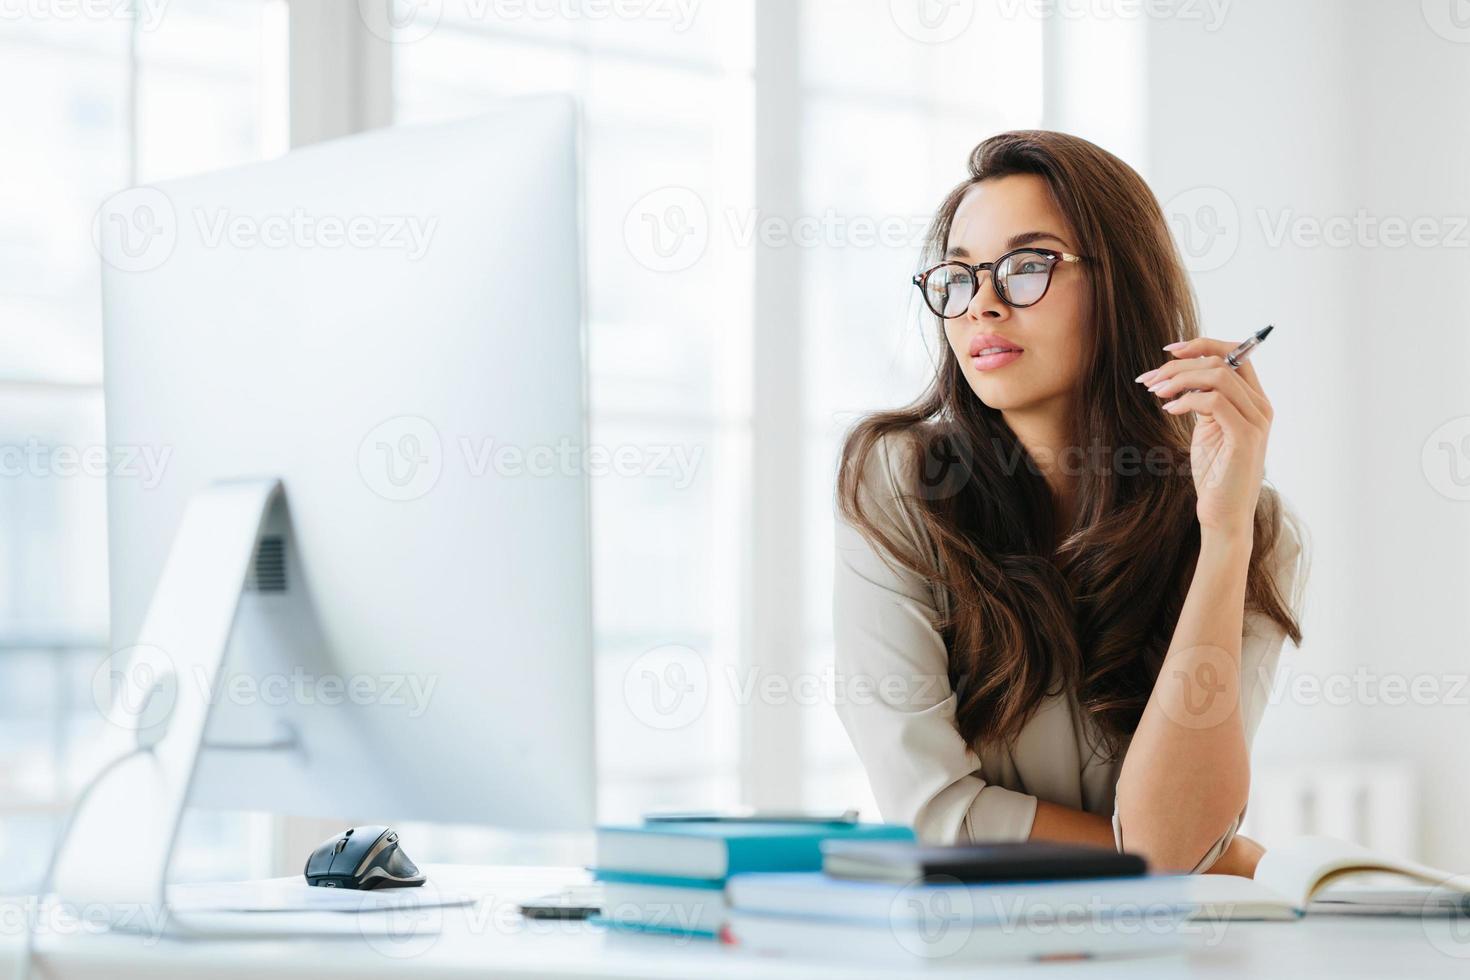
point(1306, 112)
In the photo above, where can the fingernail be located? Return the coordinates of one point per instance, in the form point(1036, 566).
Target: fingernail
point(1176, 345)
point(1167, 406)
point(1158, 386)
point(1147, 377)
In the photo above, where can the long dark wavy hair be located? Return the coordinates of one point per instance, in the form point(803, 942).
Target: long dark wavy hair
point(1092, 607)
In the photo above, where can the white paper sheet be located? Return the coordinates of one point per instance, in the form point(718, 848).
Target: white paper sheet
point(295, 895)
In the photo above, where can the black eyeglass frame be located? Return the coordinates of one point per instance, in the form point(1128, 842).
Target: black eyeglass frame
point(1055, 255)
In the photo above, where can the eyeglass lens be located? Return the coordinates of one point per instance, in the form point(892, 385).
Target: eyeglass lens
point(1020, 279)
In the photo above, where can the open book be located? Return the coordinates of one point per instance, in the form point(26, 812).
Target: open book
point(1310, 875)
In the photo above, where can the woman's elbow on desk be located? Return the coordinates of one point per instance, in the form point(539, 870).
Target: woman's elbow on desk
point(1173, 845)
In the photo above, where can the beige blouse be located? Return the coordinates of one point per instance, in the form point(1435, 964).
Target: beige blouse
point(899, 709)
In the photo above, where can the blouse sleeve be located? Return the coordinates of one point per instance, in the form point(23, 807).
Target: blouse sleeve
point(892, 663)
point(1260, 651)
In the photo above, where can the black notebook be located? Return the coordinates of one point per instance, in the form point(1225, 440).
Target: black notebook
point(1019, 861)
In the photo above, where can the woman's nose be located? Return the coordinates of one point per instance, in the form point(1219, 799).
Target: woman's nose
point(986, 301)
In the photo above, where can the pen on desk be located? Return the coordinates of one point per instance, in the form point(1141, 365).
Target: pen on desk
point(1243, 349)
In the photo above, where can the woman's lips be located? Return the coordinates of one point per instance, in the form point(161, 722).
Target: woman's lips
point(989, 362)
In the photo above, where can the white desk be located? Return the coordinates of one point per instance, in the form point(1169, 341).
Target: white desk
point(489, 939)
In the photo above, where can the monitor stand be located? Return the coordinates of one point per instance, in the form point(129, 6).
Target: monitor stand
point(113, 860)
point(224, 590)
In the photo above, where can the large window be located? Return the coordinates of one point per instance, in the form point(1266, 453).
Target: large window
point(93, 104)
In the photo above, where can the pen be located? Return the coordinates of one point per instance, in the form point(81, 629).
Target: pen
point(1243, 349)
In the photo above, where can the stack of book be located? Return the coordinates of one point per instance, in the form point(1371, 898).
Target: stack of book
point(670, 876)
point(909, 904)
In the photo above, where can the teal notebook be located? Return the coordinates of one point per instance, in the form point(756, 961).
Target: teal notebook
point(626, 925)
point(664, 881)
point(716, 850)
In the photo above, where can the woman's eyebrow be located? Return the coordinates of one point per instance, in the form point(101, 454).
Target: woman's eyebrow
point(1015, 241)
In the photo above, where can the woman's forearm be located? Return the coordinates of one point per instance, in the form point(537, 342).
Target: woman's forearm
point(1055, 822)
point(1186, 775)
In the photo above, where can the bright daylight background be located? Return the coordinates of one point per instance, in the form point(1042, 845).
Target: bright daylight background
point(804, 143)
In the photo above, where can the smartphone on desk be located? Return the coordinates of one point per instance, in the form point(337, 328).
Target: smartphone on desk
point(576, 902)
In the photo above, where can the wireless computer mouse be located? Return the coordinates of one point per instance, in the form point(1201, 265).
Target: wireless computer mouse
point(363, 858)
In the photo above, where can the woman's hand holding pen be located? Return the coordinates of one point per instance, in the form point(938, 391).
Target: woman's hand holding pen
point(1228, 451)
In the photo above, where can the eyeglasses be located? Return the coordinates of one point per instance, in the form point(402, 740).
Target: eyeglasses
point(1021, 279)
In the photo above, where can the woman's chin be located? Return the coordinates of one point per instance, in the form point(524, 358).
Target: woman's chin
point(999, 395)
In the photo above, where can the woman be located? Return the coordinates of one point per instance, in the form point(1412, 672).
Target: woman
point(1058, 570)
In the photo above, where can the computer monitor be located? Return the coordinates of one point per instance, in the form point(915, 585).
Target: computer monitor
point(392, 325)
